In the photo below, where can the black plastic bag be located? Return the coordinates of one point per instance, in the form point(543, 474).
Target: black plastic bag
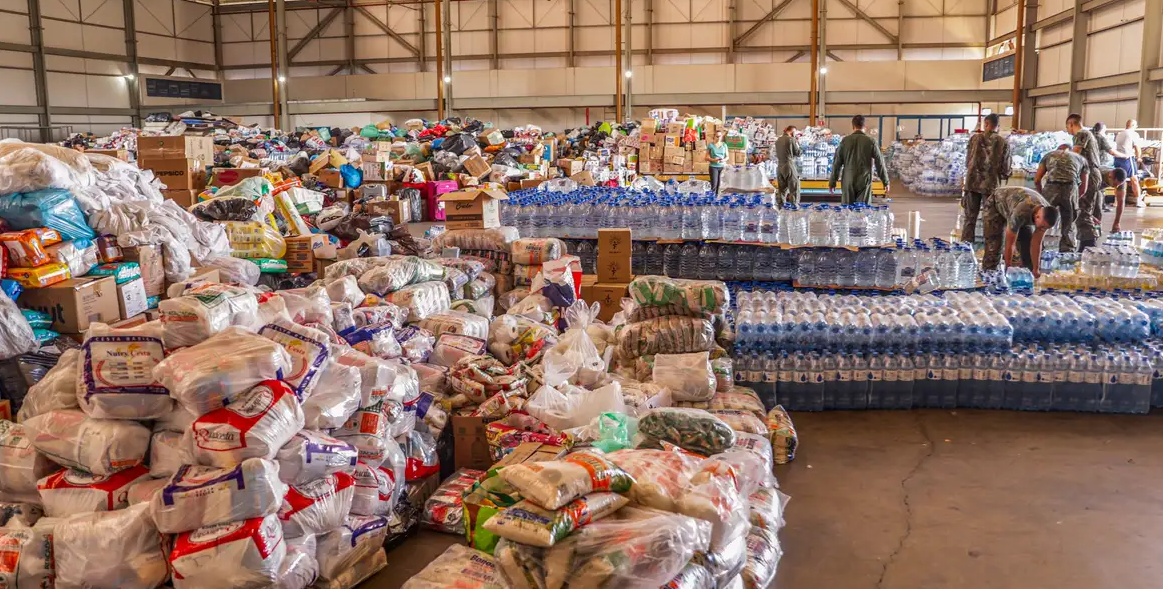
point(225, 209)
point(504, 159)
point(348, 228)
point(459, 143)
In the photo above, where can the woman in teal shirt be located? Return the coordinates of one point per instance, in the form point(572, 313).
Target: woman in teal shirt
point(717, 155)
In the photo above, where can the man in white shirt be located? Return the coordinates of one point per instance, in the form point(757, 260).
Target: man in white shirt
point(1127, 155)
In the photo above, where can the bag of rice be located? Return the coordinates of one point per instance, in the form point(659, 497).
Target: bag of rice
point(19, 514)
point(255, 425)
point(763, 554)
point(70, 492)
point(119, 549)
point(116, 378)
point(784, 440)
point(345, 290)
point(204, 311)
point(660, 476)
point(21, 466)
point(26, 559)
point(529, 524)
point(312, 455)
point(741, 421)
point(342, 547)
point(309, 352)
point(444, 510)
point(99, 446)
point(317, 506)
point(168, 451)
point(694, 430)
point(199, 496)
point(459, 567)
point(555, 483)
point(209, 375)
point(241, 554)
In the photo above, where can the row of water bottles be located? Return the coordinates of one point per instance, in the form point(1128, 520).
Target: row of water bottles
point(1031, 378)
point(867, 268)
point(1121, 261)
point(1059, 317)
point(857, 225)
point(705, 261)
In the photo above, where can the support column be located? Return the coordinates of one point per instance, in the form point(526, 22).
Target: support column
point(284, 121)
point(1149, 89)
point(1078, 56)
point(823, 83)
point(629, 113)
point(439, 60)
point(494, 18)
point(448, 56)
point(349, 37)
point(423, 44)
point(273, 31)
point(731, 12)
point(1024, 110)
point(900, 30)
point(216, 23)
point(40, 77)
point(815, 54)
point(618, 76)
point(134, 82)
point(569, 61)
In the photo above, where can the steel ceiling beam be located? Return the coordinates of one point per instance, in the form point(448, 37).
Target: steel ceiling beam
point(314, 32)
point(778, 8)
point(871, 21)
point(388, 30)
point(798, 55)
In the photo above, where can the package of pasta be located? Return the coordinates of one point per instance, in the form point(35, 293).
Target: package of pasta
point(471, 268)
point(482, 306)
point(783, 435)
point(692, 576)
point(444, 510)
point(422, 300)
point(499, 239)
point(660, 476)
point(456, 322)
point(254, 239)
point(116, 378)
point(212, 374)
point(665, 335)
point(530, 524)
point(537, 250)
point(459, 567)
point(555, 483)
point(693, 430)
point(693, 298)
point(763, 554)
point(481, 377)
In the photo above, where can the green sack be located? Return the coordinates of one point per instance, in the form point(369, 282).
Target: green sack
point(614, 432)
point(270, 265)
point(370, 131)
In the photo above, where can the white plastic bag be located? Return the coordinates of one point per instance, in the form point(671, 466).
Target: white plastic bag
point(16, 335)
point(56, 390)
point(115, 379)
point(72, 492)
point(311, 455)
point(21, 466)
point(144, 489)
point(575, 358)
point(358, 538)
point(345, 290)
point(204, 311)
point(207, 376)
point(309, 353)
point(308, 305)
point(116, 549)
point(422, 300)
point(255, 425)
point(460, 567)
point(199, 496)
point(566, 407)
point(375, 489)
point(99, 446)
point(169, 451)
point(27, 557)
point(335, 398)
point(318, 506)
point(177, 421)
point(300, 568)
point(240, 555)
point(456, 322)
point(688, 376)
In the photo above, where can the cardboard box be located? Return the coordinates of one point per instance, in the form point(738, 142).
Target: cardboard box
point(571, 167)
point(531, 183)
point(300, 256)
point(373, 171)
point(675, 160)
point(470, 444)
point(232, 176)
point(674, 128)
point(587, 286)
point(331, 178)
point(399, 211)
point(610, 295)
point(700, 156)
point(134, 321)
point(121, 154)
point(176, 174)
point(531, 452)
point(584, 179)
point(701, 168)
point(671, 140)
point(176, 147)
point(649, 125)
point(426, 169)
point(76, 303)
point(200, 275)
point(614, 255)
point(131, 298)
point(184, 198)
point(477, 166)
point(149, 258)
point(688, 165)
point(473, 209)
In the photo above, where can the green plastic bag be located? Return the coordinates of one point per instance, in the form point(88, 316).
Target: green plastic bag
point(370, 131)
point(615, 431)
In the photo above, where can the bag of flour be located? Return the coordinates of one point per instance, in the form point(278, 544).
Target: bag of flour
point(169, 451)
point(116, 380)
point(372, 447)
point(144, 489)
point(26, 558)
point(335, 398)
point(209, 375)
point(376, 374)
point(299, 568)
point(57, 390)
point(72, 492)
point(115, 549)
point(318, 506)
point(240, 555)
point(254, 425)
point(199, 496)
point(99, 446)
point(340, 548)
point(204, 311)
point(21, 466)
point(309, 353)
point(311, 455)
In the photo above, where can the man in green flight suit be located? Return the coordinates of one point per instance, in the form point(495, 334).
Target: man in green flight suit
point(855, 158)
point(785, 152)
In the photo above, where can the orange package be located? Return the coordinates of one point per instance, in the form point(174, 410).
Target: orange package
point(26, 248)
point(40, 276)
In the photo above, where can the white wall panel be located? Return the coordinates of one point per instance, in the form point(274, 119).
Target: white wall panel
point(15, 29)
point(1054, 65)
point(17, 87)
point(1115, 51)
point(1049, 118)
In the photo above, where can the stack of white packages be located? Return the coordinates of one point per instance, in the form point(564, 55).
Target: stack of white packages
point(263, 450)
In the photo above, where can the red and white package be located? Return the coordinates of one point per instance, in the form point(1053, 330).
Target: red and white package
point(311, 455)
point(318, 506)
point(376, 375)
point(71, 491)
point(200, 496)
point(255, 425)
point(309, 350)
point(374, 491)
point(144, 489)
point(240, 555)
point(341, 548)
point(26, 559)
point(367, 430)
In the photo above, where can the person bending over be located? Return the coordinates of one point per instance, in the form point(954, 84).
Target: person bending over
point(1020, 217)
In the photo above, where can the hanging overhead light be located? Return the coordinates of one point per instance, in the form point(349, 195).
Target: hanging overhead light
point(1010, 110)
point(447, 79)
point(282, 79)
point(629, 74)
point(986, 112)
point(128, 77)
point(823, 70)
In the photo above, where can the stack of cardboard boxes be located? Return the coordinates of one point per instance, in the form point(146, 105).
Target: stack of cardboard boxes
point(662, 150)
point(179, 162)
point(613, 279)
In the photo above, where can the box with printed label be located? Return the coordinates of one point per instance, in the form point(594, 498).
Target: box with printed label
point(176, 174)
point(149, 259)
point(331, 178)
point(473, 209)
point(120, 154)
point(131, 298)
point(300, 256)
point(232, 176)
point(610, 295)
point(76, 303)
point(614, 247)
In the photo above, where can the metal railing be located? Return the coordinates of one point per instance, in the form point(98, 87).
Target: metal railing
point(36, 133)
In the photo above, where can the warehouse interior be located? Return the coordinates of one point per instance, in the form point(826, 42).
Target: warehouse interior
point(879, 500)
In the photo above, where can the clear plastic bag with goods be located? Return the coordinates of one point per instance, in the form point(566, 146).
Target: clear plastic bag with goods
point(514, 339)
point(665, 335)
point(312, 455)
point(763, 554)
point(254, 425)
point(199, 496)
point(243, 554)
point(71, 492)
point(456, 322)
point(116, 380)
point(757, 445)
point(376, 488)
point(574, 358)
point(767, 505)
point(784, 439)
point(209, 375)
point(143, 490)
point(28, 170)
point(21, 465)
point(204, 311)
point(318, 506)
point(178, 420)
point(422, 300)
point(28, 558)
point(454, 280)
point(534, 307)
point(459, 567)
point(335, 399)
point(353, 267)
point(346, 290)
point(451, 348)
point(364, 244)
point(367, 430)
point(421, 459)
point(693, 430)
point(381, 313)
point(529, 524)
point(119, 549)
point(554, 484)
point(567, 406)
point(714, 495)
point(688, 376)
point(661, 477)
point(235, 270)
point(725, 563)
point(444, 510)
point(308, 305)
point(56, 390)
point(657, 296)
point(300, 568)
point(481, 377)
point(534, 251)
point(80, 255)
point(53, 208)
point(254, 239)
point(169, 451)
point(555, 281)
point(497, 240)
point(309, 350)
point(482, 306)
point(471, 268)
point(99, 446)
point(357, 539)
point(16, 336)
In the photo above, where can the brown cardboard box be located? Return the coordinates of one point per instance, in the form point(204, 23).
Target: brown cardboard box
point(571, 167)
point(232, 176)
point(701, 168)
point(532, 183)
point(176, 174)
point(121, 154)
point(649, 125)
point(674, 128)
point(300, 256)
point(688, 165)
point(701, 145)
point(321, 264)
point(669, 168)
point(587, 286)
point(176, 147)
point(614, 255)
point(610, 295)
point(473, 209)
point(131, 298)
point(400, 212)
point(207, 275)
point(75, 303)
point(471, 447)
point(645, 168)
point(531, 452)
point(676, 160)
point(184, 198)
point(584, 179)
point(476, 166)
point(738, 157)
point(700, 156)
point(426, 169)
point(330, 178)
point(672, 140)
point(149, 257)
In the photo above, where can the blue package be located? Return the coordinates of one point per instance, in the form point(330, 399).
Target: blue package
point(11, 288)
point(352, 176)
point(52, 207)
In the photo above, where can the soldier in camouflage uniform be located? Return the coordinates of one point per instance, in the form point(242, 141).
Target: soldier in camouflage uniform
point(1089, 202)
point(785, 152)
point(1062, 175)
point(987, 165)
point(1019, 216)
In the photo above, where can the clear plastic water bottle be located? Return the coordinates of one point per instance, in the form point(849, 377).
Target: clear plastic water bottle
point(819, 230)
point(857, 218)
point(885, 268)
point(745, 262)
point(654, 263)
point(708, 261)
point(845, 268)
point(726, 263)
point(839, 227)
point(864, 268)
point(733, 223)
point(750, 221)
point(768, 224)
point(689, 264)
point(672, 260)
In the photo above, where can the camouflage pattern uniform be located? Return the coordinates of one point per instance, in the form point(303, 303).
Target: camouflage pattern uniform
point(1008, 206)
point(987, 164)
point(1090, 204)
point(1064, 172)
point(785, 152)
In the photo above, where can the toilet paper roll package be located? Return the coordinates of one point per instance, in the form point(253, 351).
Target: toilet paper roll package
point(309, 352)
point(209, 375)
point(116, 380)
point(21, 466)
point(199, 496)
point(168, 451)
point(312, 455)
point(26, 559)
point(120, 549)
point(99, 446)
point(359, 537)
point(73, 492)
point(240, 555)
point(318, 506)
point(255, 425)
